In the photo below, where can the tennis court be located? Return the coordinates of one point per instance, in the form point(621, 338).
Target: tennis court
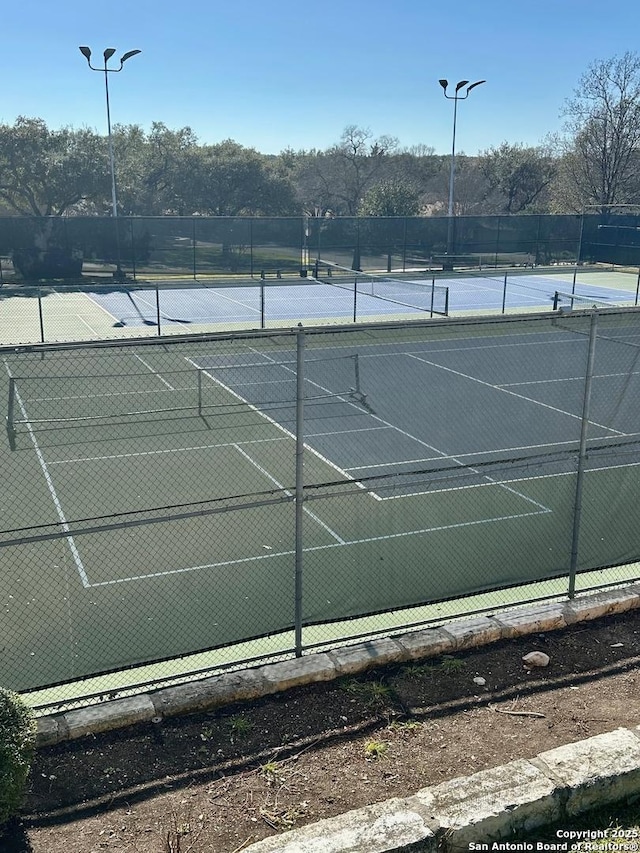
point(332, 295)
point(150, 498)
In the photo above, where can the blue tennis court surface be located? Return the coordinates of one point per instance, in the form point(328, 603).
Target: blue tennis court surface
point(252, 305)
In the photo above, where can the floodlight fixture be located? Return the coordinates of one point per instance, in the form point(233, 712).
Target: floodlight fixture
point(455, 98)
point(109, 53)
point(128, 55)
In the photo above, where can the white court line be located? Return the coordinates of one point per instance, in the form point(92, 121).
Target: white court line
point(501, 450)
point(216, 295)
point(155, 308)
point(517, 480)
point(52, 491)
point(238, 302)
point(91, 329)
point(93, 302)
point(344, 544)
point(101, 307)
point(161, 452)
point(286, 367)
point(567, 379)
point(512, 393)
point(347, 432)
point(431, 346)
point(347, 543)
point(154, 371)
point(402, 432)
point(107, 395)
point(262, 414)
point(287, 492)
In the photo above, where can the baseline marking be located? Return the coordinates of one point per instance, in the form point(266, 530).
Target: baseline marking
point(343, 544)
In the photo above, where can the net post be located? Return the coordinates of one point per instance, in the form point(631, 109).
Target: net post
point(11, 430)
point(504, 292)
point(556, 299)
point(158, 310)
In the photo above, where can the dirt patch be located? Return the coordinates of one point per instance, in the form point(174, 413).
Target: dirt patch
point(219, 781)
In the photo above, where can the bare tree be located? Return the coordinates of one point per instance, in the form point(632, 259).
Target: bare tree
point(338, 178)
point(602, 147)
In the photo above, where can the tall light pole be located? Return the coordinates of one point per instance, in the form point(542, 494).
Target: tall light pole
point(455, 98)
point(108, 53)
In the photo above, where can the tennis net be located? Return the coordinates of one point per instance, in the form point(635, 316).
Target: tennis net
point(51, 403)
point(220, 390)
point(429, 297)
point(576, 302)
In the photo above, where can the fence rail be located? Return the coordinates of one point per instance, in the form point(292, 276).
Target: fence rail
point(175, 506)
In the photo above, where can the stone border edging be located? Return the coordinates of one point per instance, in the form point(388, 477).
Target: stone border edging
point(244, 685)
point(520, 797)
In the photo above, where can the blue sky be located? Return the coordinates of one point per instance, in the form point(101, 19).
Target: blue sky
point(273, 74)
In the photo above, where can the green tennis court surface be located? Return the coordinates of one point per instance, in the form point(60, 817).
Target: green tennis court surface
point(148, 502)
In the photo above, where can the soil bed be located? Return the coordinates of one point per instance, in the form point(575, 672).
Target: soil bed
point(219, 781)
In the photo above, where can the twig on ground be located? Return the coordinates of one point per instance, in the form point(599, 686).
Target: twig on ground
point(516, 713)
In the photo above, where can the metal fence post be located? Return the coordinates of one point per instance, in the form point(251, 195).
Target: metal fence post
point(194, 244)
point(158, 310)
point(40, 315)
point(355, 298)
point(404, 246)
point(582, 455)
point(133, 249)
point(299, 496)
point(11, 430)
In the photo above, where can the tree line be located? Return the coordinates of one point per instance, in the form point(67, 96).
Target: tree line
point(593, 163)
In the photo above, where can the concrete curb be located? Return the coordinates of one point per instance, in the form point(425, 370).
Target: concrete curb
point(244, 685)
point(520, 797)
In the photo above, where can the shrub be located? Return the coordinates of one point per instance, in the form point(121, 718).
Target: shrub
point(17, 744)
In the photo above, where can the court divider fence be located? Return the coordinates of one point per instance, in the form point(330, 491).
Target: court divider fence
point(196, 246)
point(178, 506)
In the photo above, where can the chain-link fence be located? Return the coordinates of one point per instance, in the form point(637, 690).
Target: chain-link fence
point(156, 247)
point(175, 506)
point(33, 248)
